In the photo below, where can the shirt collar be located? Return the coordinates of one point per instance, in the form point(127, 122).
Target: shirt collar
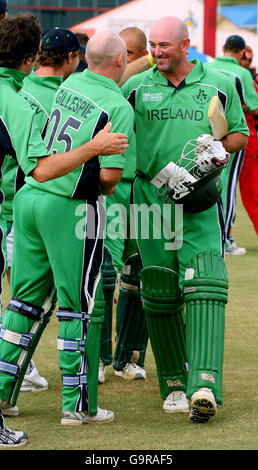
point(102, 80)
point(13, 77)
point(193, 76)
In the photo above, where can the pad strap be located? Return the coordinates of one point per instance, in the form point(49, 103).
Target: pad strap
point(75, 345)
point(30, 311)
point(74, 380)
point(66, 315)
point(20, 339)
point(9, 368)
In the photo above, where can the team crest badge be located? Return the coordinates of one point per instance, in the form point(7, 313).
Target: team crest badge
point(201, 97)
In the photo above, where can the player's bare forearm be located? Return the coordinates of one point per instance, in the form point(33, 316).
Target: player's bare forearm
point(135, 67)
point(56, 165)
point(234, 142)
point(109, 177)
point(253, 112)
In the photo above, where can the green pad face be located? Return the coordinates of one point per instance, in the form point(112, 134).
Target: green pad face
point(14, 354)
point(162, 302)
point(205, 294)
point(92, 347)
point(109, 275)
point(132, 332)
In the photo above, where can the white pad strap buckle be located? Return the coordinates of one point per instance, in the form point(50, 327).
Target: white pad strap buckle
point(20, 339)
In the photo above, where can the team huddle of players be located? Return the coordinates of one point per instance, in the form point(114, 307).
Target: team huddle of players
point(79, 144)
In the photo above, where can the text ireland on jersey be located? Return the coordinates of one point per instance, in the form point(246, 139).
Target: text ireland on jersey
point(168, 113)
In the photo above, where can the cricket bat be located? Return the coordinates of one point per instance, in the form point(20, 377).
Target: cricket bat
point(217, 118)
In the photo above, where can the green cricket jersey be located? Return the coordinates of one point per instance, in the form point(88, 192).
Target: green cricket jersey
point(241, 78)
point(82, 106)
point(166, 117)
point(19, 134)
point(39, 92)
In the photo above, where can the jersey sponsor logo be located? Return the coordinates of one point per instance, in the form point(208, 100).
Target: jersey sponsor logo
point(201, 97)
point(167, 113)
point(151, 97)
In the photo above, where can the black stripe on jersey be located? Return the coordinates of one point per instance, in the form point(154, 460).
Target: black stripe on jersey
point(88, 185)
point(233, 177)
point(19, 179)
point(6, 148)
point(239, 89)
point(222, 98)
point(132, 98)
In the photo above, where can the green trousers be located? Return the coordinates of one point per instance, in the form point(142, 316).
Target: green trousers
point(57, 242)
point(183, 251)
point(120, 241)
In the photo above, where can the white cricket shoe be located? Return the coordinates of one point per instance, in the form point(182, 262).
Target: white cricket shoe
point(176, 402)
point(203, 406)
point(9, 438)
point(11, 411)
point(73, 418)
point(233, 249)
point(102, 372)
point(102, 416)
point(131, 371)
point(32, 381)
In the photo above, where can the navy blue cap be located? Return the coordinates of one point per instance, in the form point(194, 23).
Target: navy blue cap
point(60, 41)
point(235, 42)
point(3, 6)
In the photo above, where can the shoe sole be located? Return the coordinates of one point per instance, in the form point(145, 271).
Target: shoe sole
point(202, 410)
point(135, 377)
point(108, 420)
point(33, 389)
point(22, 443)
point(74, 422)
point(71, 422)
point(181, 410)
point(6, 412)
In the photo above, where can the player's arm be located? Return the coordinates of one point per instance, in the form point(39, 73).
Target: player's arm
point(56, 165)
point(254, 112)
point(234, 142)
point(109, 177)
point(137, 66)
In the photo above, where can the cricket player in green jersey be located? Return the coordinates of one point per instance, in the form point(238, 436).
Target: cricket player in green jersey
point(20, 137)
point(229, 65)
point(183, 267)
point(58, 58)
point(121, 256)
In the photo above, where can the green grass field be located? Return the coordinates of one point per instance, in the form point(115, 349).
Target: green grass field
point(139, 421)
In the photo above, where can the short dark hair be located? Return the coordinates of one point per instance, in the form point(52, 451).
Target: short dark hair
point(55, 60)
point(20, 38)
point(234, 43)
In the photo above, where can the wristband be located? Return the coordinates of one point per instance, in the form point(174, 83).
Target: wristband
point(150, 60)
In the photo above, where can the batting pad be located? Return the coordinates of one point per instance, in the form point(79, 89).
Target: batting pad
point(79, 352)
point(109, 275)
point(205, 295)
point(92, 346)
point(162, 302)
point(132, 332)
point(22, 329)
